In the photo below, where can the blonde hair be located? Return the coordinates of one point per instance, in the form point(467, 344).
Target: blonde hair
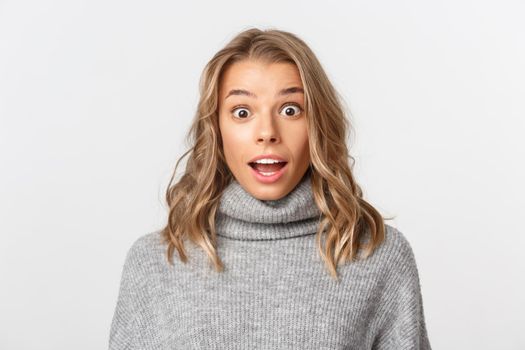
point(193, 201)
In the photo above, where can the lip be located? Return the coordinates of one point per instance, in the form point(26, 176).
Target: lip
point(269, 179)
point(268, 156)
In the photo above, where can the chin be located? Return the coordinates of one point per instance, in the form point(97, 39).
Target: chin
point(268, 192)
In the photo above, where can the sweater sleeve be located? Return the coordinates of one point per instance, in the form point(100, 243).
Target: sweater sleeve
point(403, 326)
point(124, 325)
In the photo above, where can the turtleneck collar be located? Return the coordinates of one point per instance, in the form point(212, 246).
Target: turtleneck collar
point(244, 217)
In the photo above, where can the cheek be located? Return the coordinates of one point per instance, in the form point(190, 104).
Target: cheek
point(232, 141)
point(300, 144)
point(305, 149)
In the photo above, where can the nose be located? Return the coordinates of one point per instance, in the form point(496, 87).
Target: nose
point(267, 131)
point(267, 139)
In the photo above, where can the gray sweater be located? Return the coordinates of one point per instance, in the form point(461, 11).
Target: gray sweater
point(275, 291)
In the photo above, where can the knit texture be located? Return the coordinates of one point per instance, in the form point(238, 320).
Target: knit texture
point(275, 291)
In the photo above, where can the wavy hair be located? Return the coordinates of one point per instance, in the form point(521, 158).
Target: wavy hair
point(194, 199)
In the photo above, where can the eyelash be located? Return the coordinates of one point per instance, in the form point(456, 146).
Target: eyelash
point(285, 105)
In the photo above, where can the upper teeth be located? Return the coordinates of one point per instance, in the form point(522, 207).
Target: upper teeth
point(267, 161)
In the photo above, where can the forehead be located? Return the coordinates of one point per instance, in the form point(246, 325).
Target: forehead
point(257, 76)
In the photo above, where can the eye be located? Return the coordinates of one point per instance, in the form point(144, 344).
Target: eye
point(243, 114)
point(289, 108)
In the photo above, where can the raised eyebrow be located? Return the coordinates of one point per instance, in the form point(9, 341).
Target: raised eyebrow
point(283, 92)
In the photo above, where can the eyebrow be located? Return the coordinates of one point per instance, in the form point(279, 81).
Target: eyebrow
point(283, 92)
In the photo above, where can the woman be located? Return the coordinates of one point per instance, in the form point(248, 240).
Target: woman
point(276, 248)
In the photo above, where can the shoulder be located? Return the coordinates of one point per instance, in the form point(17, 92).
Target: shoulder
point(396, 242)
point(400, 318)
point(396, 254)
point(144, 254)
point(146, 243)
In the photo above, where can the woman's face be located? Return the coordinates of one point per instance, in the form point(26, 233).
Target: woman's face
point(261, 113)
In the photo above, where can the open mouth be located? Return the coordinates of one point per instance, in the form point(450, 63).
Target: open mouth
point(267, 168)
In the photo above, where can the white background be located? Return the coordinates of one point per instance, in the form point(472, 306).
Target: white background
point(96, 98)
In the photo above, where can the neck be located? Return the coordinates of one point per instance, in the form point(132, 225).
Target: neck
point(244, 217)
